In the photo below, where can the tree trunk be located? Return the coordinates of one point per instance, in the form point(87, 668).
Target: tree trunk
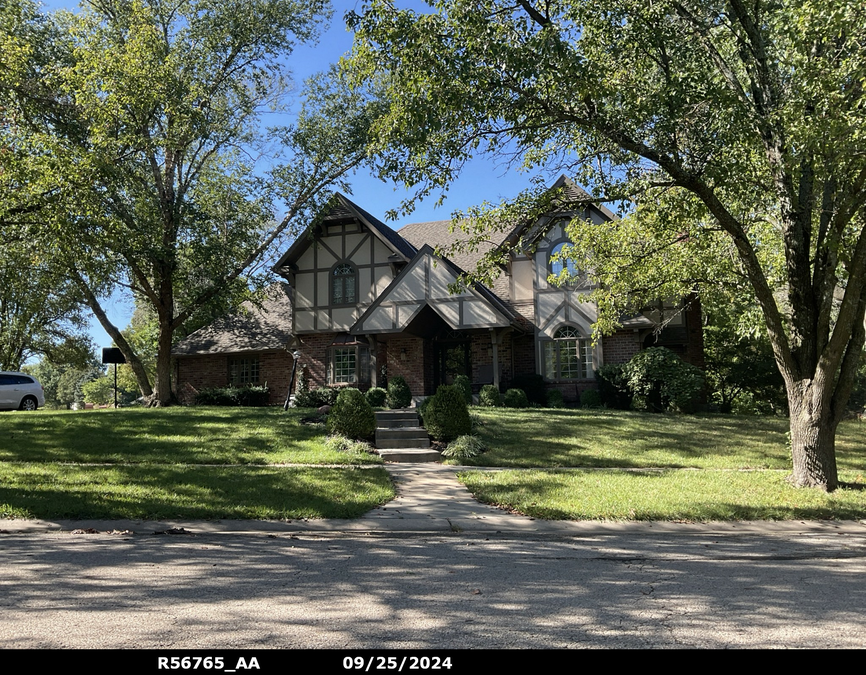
point(114, 333)
point(813, 442)
point(163, 394)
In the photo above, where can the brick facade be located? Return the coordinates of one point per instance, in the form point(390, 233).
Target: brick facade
point(194, 373)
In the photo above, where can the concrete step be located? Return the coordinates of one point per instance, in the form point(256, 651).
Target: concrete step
point(391, 443)
point(393, 419)
point(408, 455)
point(401, 432)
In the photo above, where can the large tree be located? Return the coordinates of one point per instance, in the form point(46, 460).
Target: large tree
point(162, 177)
point(740, 118)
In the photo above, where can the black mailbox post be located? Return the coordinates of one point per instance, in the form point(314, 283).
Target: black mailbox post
point(115, 356)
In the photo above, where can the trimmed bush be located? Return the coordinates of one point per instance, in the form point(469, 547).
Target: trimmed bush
point(376, 397)
point(446, 416)
point(555, 399)
point(352, 416)
point(490, 396)
point(590, 398)
point(327, 395)
point(464, 448)
point(516, 398)
point(399, 395)
point(660, 380)
point(533, 386)
point(612, 387)
point(249, 397)
point(464, 384)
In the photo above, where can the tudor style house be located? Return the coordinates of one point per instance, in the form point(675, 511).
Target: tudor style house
point(363, 303)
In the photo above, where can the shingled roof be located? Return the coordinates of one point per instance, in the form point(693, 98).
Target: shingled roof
point(251, 329)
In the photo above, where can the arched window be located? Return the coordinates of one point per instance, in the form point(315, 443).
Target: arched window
point(568, 356)
point(344, 284)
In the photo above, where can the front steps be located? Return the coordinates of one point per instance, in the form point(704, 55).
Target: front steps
point(401, 438)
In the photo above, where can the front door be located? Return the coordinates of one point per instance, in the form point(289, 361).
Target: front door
point(451, 358)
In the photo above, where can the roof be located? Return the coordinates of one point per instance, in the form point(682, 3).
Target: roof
point(252, 328)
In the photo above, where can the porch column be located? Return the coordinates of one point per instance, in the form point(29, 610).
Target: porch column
point(374, 366)
point(495, 339)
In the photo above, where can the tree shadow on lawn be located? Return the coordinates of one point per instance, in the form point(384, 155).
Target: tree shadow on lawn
point(662, 495)
point(600, 438)
point(175, 435)
point(168, 492)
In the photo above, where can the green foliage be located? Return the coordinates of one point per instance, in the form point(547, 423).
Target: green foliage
point(248, 396)
point(327, 395)
point(555, 399)
point(533, 386)
point(464, 447)
point(135, 132)
point(590, 398)
point(339, 443)
point(446, 416)
point(376, 397)
point(612, 387)
point(421, 408)
point(727, 136)
point(352, 416)
point(464, 384)
point(660, 380)
point(399, 395)
point(489, 396)
point(304, 398)
point(516, 398)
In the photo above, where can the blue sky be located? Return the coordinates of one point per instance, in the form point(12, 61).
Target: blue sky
point(482, 179)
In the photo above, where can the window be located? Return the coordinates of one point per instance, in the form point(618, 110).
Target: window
point(244, 371)
point(350, 365)
point(556, 266)
point(568, 356)
point(344, 284)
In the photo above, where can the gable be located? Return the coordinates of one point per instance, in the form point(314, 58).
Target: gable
point(425, 283)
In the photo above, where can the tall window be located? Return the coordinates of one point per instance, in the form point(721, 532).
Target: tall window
point(344, 284)
point(244, 371)
point(568, 356)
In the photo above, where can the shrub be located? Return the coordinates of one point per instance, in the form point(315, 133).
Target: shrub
point(376, 397)
point(555, 399)
point(660, 380)
point(590, 398)
point(421, 408)
point(464, 447)
point(463, 383)
point(533, 386)
point(327, 395)
point(304, 398)
point(250, 396)
point(352, 416)
point(446, 416)
point(612, 387)
point(490, 396)
point(516, 398)
point(340, 443)
point(399, 395)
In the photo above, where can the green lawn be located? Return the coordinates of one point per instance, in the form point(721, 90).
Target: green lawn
point(179, 463)
point(712, 467)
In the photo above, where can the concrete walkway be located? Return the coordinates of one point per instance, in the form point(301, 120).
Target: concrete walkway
point(431, 500)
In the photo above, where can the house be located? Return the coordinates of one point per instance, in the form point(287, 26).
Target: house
point(363, 303)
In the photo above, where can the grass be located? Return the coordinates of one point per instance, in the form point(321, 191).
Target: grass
point(202, 463)
point(694, 468)
point(202, 435)
point(554, 438)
